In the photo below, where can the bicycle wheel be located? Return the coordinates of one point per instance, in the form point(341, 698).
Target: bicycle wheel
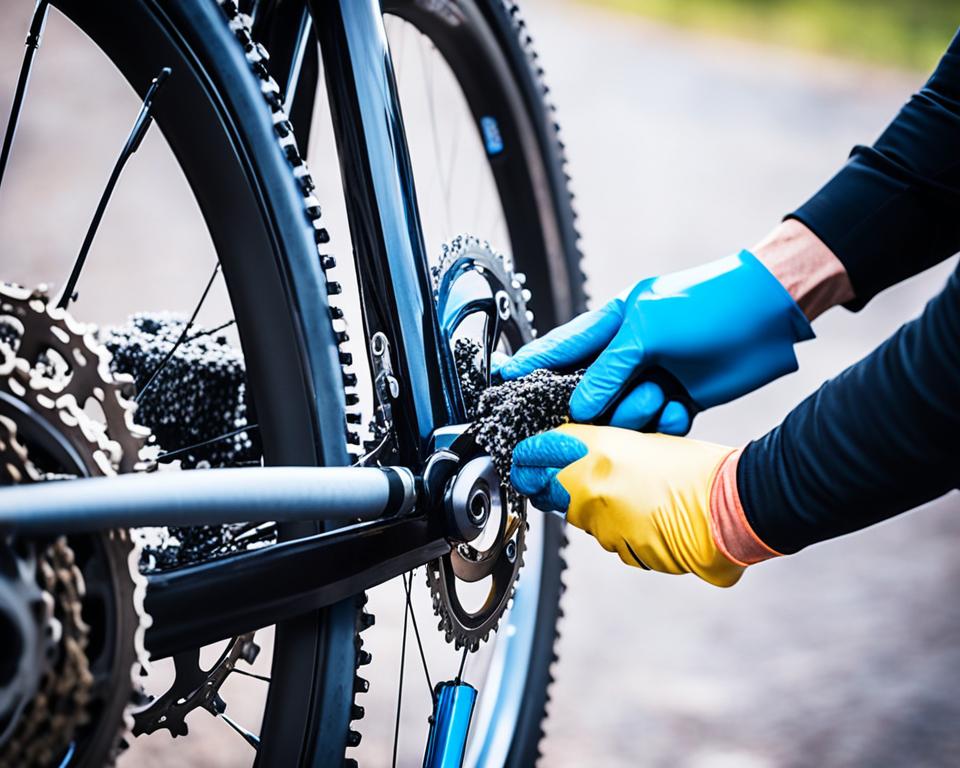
point(487, 160)
point(218, 114)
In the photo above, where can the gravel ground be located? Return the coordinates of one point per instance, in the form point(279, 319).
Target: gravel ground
point(683, 148)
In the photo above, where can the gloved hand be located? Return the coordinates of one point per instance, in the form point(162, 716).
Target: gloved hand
point(645, 497)
point(720, 330)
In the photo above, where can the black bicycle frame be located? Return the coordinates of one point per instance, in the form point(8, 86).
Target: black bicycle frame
point(204, 603)
point(392, 264)
point(397, 300)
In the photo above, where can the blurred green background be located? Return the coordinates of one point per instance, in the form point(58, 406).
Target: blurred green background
point(911, 34)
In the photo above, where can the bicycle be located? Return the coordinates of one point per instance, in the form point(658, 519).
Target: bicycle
point(344, 513)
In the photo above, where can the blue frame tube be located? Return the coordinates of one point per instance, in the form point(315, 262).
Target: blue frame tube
point(392, 264)
point(452, 712)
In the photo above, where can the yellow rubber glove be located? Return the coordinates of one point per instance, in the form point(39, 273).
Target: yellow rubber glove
point(645, 497)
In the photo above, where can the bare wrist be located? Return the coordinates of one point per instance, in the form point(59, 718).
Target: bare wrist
point(806, 267)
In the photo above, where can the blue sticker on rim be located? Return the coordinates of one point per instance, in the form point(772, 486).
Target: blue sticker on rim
point(492, 139)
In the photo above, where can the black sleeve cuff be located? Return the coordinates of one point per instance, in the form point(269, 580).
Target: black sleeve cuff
point(894, 208)
point(877, 440)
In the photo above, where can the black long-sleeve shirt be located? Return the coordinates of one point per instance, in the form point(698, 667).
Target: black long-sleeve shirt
point(883, 436)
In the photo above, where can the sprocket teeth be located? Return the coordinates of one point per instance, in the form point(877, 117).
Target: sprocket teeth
point(462, 253)
point(365, 620)
point(59, 391)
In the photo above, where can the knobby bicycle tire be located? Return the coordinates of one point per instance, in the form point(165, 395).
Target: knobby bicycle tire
point(217, 118)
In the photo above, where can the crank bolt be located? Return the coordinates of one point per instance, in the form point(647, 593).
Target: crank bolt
point(511, 550)
point(468, 501)
point(478, 505)
point(249, 651)
point(503, 305)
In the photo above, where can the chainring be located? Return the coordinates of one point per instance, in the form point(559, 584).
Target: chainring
point(471, 281)
point(194, 687)
point(64, 414)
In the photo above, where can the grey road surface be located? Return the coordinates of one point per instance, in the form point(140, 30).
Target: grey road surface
point(683, 148)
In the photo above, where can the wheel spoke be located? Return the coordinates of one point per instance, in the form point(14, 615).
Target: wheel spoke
point(463, 663)
point(428, 79)
point(211, 331)
point(140, 127)
point(305, 38)
point(169, 455)
point(403, 654)
point(479, 204)
point(182, 338)
point(408, 583)
point(33, 44)
point(497, 223)
point(451, 164)
point(254, 675)
point(255, 531)
point(251, 738)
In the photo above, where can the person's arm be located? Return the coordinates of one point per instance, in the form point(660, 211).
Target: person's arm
point(877, 440)
point(894, 208)
point(811, 273)
point(724, 328)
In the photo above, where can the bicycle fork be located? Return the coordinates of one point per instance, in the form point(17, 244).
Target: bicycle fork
point(453, 704)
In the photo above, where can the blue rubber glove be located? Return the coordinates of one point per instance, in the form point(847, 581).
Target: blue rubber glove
point(719, 330)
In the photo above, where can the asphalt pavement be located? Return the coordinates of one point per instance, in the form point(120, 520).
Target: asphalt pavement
point(683, 148)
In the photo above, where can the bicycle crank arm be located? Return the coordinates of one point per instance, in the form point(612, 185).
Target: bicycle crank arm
point(207, 497)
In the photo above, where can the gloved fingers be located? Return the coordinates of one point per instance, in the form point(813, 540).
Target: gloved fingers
point(497, 360)
point(629, 556)
point(640, 406)
point(540, 485)
point(607, 376)
point(530, 481)
point(567, 345)
point(536, 463)
point(675, 419)
point(550, 450)
point(554, 498)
